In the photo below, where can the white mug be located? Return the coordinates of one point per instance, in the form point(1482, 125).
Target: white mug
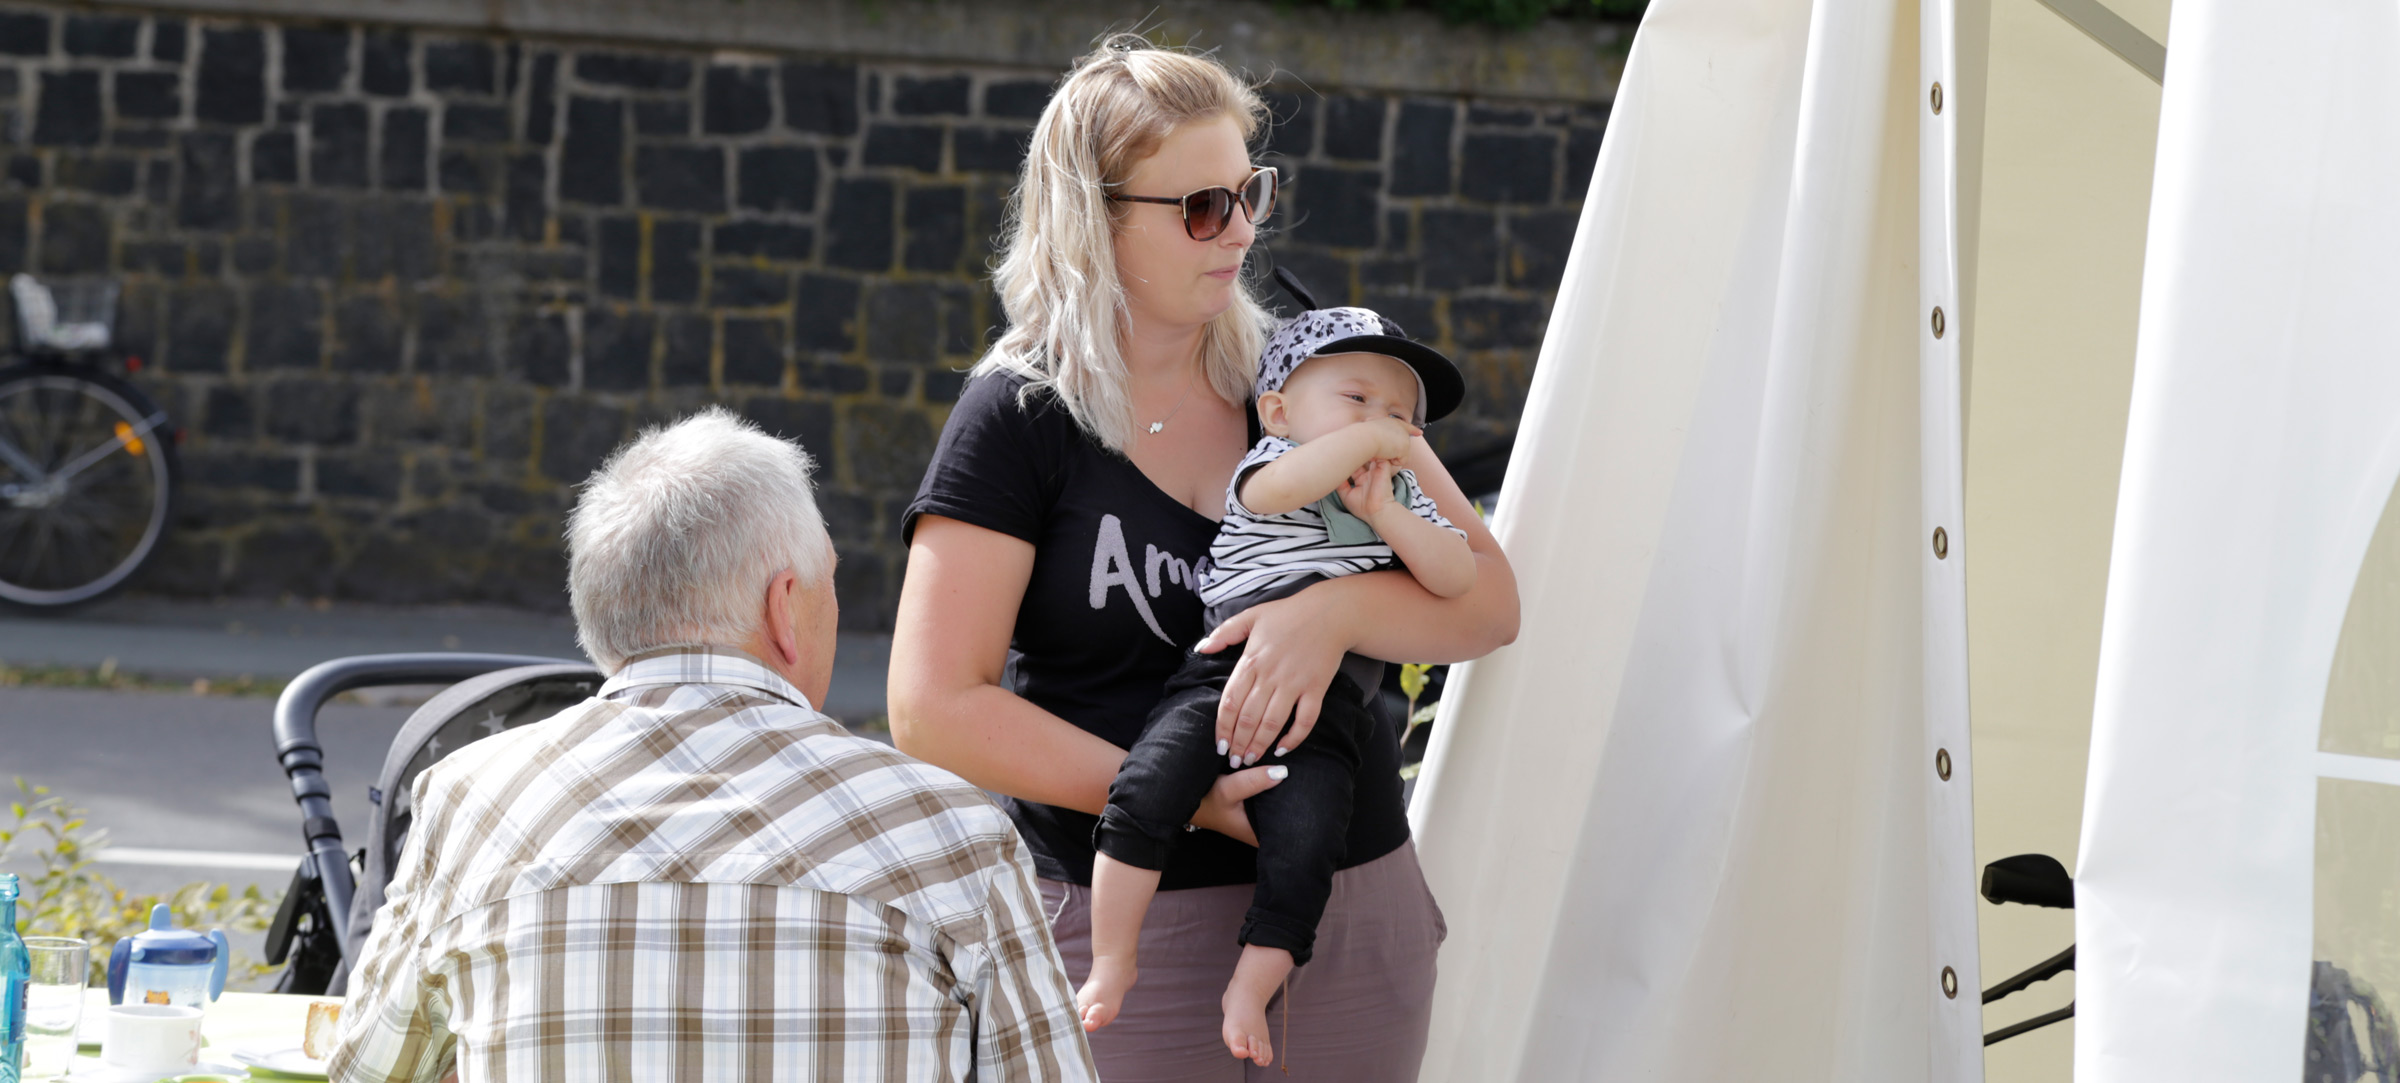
point(162, 1038)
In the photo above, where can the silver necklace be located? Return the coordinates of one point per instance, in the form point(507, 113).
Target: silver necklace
point(1160, 425)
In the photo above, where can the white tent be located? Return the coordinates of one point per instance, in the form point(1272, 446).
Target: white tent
point(1695, 824)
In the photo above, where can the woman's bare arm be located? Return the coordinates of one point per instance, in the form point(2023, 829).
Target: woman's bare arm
point(958, 606)
point(1295, 644)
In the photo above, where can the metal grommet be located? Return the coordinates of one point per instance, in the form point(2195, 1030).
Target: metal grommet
point(1950, 983)
point(1941, 544)
point(1938, 325)
point(1941, 763)
point(1937, 99)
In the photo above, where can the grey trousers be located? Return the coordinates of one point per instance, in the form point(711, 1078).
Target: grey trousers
point(1358, 1011)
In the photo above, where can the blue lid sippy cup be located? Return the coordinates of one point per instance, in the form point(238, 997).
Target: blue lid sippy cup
point(167, 965)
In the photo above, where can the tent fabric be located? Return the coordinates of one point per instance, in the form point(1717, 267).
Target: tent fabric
point(2262, 445)
point(1688, 826)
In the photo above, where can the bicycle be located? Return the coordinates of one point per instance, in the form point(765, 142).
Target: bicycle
point(88, 465)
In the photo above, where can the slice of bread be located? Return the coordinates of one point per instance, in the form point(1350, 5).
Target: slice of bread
point(324, 1025)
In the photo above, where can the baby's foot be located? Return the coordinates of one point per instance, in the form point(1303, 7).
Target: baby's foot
point(1245, 1030)
point(1103, 993)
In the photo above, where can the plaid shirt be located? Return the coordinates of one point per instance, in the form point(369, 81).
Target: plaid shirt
point(696, 876)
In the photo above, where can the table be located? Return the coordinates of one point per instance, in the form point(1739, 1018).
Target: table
point(234, 1021)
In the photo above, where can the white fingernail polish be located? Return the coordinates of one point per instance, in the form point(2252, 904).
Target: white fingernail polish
point(1281, 751)
point(1250, 759)
point(1279, 772)
point(1233, 761)
point(1221, 748)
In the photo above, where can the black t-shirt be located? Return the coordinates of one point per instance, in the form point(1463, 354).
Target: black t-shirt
point(1109, 612)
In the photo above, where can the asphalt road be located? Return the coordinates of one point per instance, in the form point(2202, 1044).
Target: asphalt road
point(184, 773)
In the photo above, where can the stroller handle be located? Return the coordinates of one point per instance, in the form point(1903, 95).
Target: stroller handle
point(303, 759)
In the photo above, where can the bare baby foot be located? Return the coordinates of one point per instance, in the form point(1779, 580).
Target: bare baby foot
point(1245, 1030)
point(1103, 993)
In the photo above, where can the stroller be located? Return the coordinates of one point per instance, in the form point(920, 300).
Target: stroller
point(330, 907)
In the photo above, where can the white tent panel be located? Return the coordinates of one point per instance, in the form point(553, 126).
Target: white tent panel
point(1689, 827)
point(2262, 445)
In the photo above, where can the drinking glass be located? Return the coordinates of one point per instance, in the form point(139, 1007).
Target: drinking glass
point(54, 1003)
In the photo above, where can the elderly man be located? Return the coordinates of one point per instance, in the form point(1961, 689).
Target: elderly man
point(695, 875)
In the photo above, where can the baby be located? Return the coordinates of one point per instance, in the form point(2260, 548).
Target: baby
point(1341, 393)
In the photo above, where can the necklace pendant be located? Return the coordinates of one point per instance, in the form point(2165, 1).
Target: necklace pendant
point(1155, 426)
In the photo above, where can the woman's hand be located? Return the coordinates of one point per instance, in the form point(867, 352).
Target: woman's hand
point(1222, 810)
point(1295, 647)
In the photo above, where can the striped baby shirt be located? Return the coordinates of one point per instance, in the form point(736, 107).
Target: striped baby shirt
point(1256, 554)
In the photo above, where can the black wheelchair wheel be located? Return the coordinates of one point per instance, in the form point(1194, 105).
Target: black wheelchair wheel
point(87, 480)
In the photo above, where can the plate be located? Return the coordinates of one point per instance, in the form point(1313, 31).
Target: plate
point(95, 1070)
point(281, 1060)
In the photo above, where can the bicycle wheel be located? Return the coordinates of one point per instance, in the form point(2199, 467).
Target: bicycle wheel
point(87, 475)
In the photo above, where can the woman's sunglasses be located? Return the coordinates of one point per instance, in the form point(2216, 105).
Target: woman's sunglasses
point(1208, 211)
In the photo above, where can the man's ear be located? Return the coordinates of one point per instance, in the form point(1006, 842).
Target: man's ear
point(783, 629)
point(1272, 413)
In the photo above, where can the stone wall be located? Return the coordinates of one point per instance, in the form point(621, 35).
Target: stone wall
point(404, 286)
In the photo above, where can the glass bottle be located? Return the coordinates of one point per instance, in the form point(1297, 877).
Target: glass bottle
point(16, 974)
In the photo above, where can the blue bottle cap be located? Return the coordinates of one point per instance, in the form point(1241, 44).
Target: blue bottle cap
point(165, 945)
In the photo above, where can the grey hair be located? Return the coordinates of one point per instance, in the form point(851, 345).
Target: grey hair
point(1057, 275)
point(677, 535)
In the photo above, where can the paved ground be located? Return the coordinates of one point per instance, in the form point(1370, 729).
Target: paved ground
point(187, 785)
point(181, 640)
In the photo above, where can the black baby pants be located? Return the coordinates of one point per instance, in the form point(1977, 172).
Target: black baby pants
point(1303, 822)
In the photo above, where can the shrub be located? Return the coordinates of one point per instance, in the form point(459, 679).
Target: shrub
point(71, 898)
point(1513, 14)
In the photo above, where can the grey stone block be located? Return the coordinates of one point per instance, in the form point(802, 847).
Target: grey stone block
point(69, 113)
point(1336, 207)
point(315, 59)
point(406, 143)
point(1509, 168)
point(24, 33)
point(737, 100)
point(936, 224)
point(910, 146)
point(149, 95)
point(685, 343)
point(467, 67)
point(337, 145)
point(764, 240)
point(591, 163)
point(652, 116)
point(859, 229)
point(928, 96)
point(754, 353)
point(1021, 98)
point(674, 260)
point(232, 81)
point(638, 71)
point(285, 332)
point(779, 179)
point(825, 313)
point(75, 238)
point(686, 177)
point(385, 65)
point(312, 410)
point(616, 352)
point(114, 36)
point(904, 322)
point(820, 98)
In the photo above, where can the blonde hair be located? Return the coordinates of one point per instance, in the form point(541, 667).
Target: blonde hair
point(1057, 276)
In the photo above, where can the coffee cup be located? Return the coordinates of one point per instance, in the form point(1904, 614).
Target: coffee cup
point(160, 1038)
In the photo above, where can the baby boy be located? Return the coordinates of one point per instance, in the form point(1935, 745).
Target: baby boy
point(1341, 395)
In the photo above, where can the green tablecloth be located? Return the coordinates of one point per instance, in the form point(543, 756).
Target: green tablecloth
point(235, 1021)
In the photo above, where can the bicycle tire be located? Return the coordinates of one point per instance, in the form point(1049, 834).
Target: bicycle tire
point(51, 415)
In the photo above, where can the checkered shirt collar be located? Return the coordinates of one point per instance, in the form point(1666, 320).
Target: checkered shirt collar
point(701, 665)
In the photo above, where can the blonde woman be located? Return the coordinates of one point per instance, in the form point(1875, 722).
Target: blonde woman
point(1050, 592)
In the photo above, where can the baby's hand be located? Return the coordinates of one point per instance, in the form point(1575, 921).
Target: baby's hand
point(1391, 437)
point(1369, 490)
